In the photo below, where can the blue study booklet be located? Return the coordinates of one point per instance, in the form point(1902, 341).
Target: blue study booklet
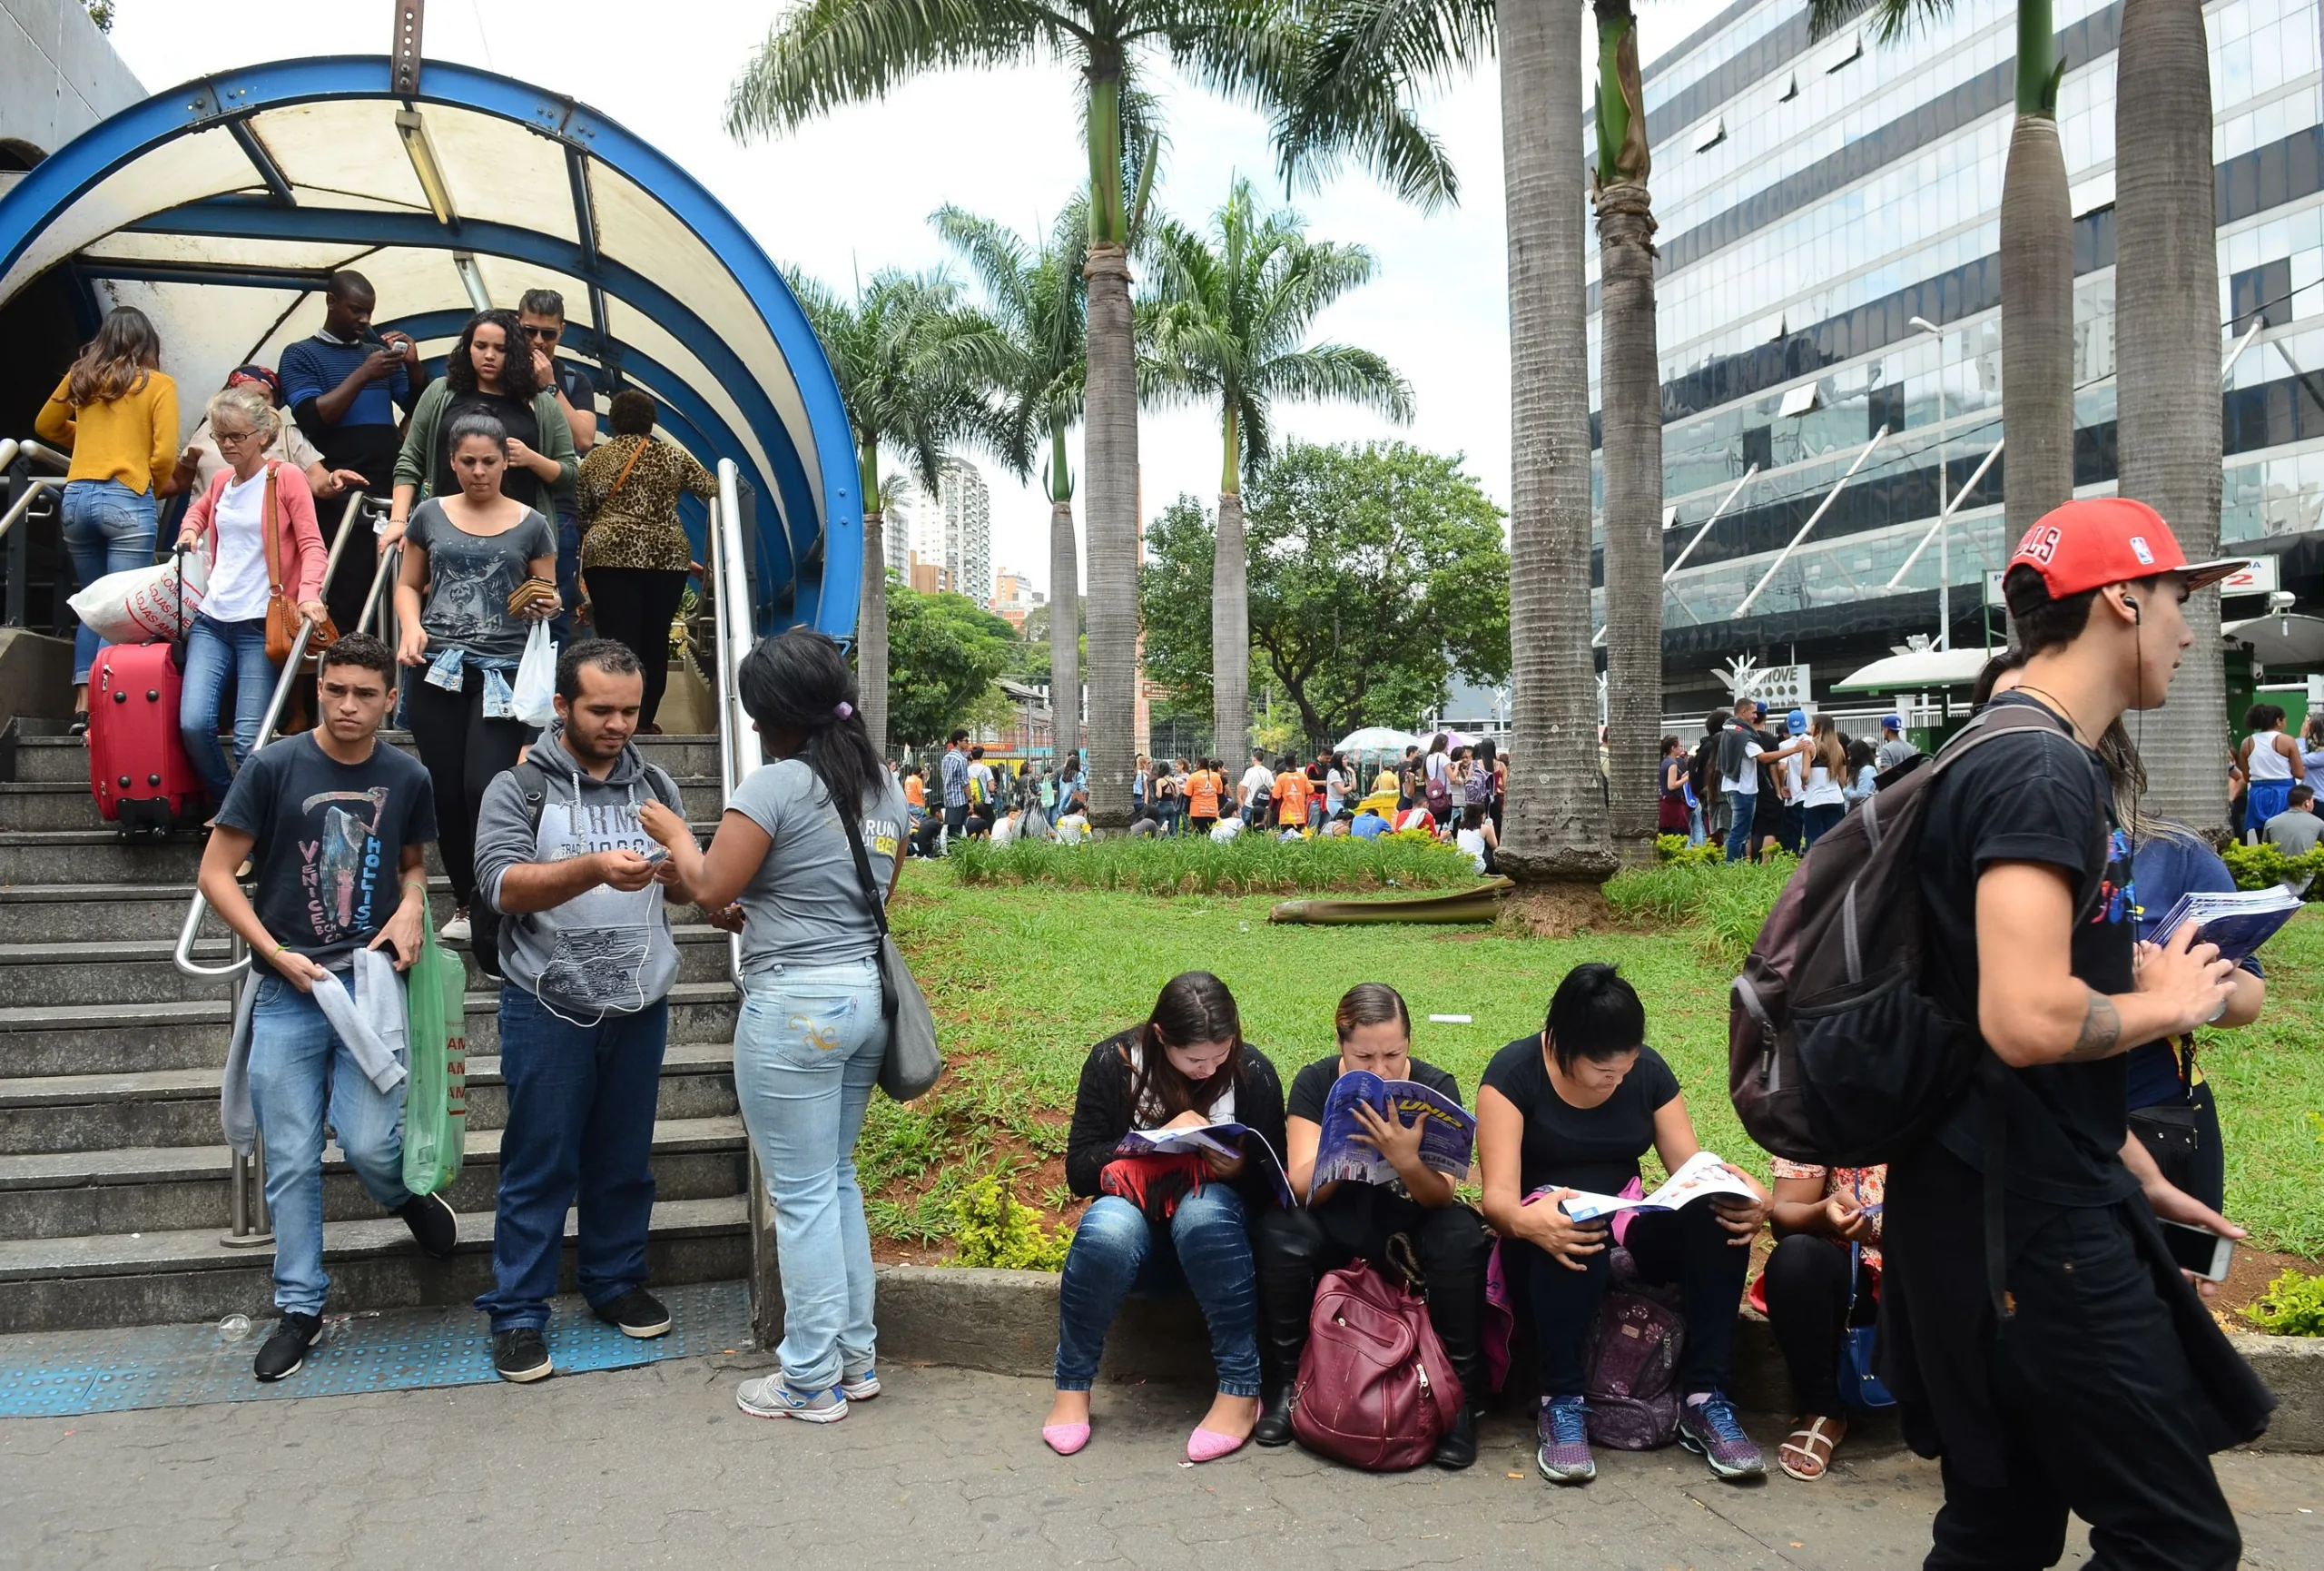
point(2238, 923)
point(1447, 1139)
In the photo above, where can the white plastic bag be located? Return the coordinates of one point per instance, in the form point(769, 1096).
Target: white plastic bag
point(139, 605)
point(537, 678)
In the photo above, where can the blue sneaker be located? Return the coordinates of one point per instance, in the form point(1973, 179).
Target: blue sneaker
point(861, 1386)
point(1564, 1457)
point(771, 1397)
point(1711, 1428)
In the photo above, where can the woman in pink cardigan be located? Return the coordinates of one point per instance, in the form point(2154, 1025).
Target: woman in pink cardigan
point(227, 524)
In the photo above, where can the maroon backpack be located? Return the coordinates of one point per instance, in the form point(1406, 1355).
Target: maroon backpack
point(1375, 1390)
point(1633, 1365)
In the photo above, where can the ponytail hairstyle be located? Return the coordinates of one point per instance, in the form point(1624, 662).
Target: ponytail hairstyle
point(798, 683)
point(1371, 1003)
point(1828, 752)
point(116, 362)
point(1192, 1006)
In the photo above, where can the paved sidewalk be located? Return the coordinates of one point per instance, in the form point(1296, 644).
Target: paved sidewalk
point(655, 1467)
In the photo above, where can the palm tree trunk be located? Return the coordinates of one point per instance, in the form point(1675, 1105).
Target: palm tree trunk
point(2167, 356)
point(1110, 465)
point(1065, 606)
point(1555, 828)
point(2036, 288)
point(1230, 616)
point(871, 614)
point(1630, 392)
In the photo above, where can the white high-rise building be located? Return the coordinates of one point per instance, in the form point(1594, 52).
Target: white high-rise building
point(955, 528)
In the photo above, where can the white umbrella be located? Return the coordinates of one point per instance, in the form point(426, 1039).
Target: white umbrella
point(1376, 739)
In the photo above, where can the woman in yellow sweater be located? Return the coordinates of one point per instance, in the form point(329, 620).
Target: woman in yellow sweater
point(117, 414)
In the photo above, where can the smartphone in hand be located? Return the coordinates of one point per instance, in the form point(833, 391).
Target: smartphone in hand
point(2200, 1251)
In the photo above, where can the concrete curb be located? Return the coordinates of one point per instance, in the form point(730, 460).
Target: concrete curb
point(1005, 1322)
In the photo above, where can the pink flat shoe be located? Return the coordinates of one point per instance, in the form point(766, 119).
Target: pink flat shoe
point(1209, 1445)
point(1065, 1439)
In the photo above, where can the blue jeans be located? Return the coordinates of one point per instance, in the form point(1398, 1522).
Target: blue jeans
point(580, 1123)
point(299, 1072)
point(807, 1053)
point(1744, 810)
point(568, 575)
point(1695, 834)
point(214, 652)
point(1814, 821)
point(1204, 1248)
point(107, 529)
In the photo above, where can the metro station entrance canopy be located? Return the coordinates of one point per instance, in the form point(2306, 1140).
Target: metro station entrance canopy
point(221, 206)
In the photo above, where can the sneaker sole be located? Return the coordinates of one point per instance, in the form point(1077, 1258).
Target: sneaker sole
point(830, 1415)
point(643, 1333)
point(269, 1379)
point(1541, 1467)
point(863, 1393)
point(540, 1371)
point(1724, 1470)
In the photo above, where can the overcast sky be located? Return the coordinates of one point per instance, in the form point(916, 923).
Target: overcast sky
point(854, 192)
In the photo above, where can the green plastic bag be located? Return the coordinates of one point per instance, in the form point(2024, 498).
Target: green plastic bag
point(435, 1094)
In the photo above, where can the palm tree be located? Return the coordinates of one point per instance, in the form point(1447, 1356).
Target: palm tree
point(1038, 300)
point(1629, 384)
point(1347, 97)
point(913, 364)
point(825, 53)
point(2166, 355)
point(2036, 256)
point(1229, 328)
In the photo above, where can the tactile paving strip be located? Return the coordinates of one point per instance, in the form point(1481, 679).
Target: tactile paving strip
point(63, 1374)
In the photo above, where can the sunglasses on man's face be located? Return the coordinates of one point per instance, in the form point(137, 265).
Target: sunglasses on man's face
point(550, 333)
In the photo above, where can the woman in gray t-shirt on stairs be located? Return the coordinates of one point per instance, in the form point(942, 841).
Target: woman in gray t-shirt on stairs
point(812, 1034)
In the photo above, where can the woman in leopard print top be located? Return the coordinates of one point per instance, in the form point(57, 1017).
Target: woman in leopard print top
point(635, 555)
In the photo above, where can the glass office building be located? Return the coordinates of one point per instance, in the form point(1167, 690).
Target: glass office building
point(1814, 198)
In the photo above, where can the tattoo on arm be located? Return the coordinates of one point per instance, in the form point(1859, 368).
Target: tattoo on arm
point(2102, 1031)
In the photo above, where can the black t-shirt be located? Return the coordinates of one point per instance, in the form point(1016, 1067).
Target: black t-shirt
point(1313, 1085)
point(2035, 796)
point(1584, 1148)
point(521, 423)
point(329, 840)
point(574, 382)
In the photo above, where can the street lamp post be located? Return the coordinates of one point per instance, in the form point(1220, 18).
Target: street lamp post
point(1944, 531)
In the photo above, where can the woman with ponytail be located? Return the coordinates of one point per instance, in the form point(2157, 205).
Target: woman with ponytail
point(812, 1033)
point(1161, 1224)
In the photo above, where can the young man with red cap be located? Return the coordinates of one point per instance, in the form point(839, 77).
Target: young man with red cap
point(2089, 1378)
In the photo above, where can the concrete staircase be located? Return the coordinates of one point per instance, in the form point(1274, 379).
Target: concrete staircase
point(114, 1179)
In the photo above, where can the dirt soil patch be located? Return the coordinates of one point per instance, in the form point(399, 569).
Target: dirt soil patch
point(1557, 911)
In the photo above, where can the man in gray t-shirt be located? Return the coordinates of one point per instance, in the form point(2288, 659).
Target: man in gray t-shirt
point(1894, 749)
point(2295, 831)
point(805, 904)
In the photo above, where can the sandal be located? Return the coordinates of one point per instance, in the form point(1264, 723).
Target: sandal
point(1798, 1455)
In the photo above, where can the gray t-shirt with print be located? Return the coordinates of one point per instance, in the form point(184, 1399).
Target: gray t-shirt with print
point(470, 578)
point(805, 904)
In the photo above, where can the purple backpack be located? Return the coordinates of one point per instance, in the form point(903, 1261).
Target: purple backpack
point(1632, 1363)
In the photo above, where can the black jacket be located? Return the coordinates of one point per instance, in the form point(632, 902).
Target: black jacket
point(1101, 1114)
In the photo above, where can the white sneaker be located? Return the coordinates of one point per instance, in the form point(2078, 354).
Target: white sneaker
point(860, 1387)
point(771, 1397)
point(454, 931)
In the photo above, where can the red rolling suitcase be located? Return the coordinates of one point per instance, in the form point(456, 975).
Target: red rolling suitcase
point(138, 767)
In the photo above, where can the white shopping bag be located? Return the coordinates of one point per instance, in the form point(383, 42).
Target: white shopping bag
point(139, 605)
point(537, 678)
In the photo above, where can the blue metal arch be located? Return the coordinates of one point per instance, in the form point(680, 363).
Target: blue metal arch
point(835, 542)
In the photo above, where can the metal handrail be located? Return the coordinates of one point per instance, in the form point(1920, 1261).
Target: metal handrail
point(190, 929)
point(42, 453)
point(34, 486)
point(738, 753)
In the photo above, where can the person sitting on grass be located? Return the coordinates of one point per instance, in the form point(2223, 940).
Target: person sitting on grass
point(1368, 824)
point(1349, 1219)
point(1160, 1223)
point(1573, 1108)
point(1820, 1214)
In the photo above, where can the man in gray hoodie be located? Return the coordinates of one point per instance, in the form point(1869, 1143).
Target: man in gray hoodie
point(589, 957)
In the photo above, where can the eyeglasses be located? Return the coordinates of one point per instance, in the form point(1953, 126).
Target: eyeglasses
point(223, 437)
point(550, 333)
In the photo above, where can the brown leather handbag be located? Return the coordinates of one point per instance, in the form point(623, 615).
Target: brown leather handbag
point(281, 612)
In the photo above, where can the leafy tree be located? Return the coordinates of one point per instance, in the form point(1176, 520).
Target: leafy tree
point(1376, 574)
point(944, 655)
point(1229, 331)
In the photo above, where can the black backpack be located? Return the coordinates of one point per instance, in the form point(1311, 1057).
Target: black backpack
point(1836, 1055)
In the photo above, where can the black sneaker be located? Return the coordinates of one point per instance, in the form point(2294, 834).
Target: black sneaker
point(285, 1352)
point(521, 1355)
point(434, 1225)
point(637, 1313)
point(1458, 1449)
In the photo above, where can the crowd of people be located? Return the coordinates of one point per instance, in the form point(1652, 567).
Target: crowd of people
point(1757, 787)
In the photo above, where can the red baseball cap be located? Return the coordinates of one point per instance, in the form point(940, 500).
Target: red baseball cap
point(2110, 540)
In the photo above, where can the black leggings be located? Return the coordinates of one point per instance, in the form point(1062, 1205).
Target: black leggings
point(1687, 1247)
point(1294, 1248)
point(634, 606)
point(1808, 1308)
point(463, 751)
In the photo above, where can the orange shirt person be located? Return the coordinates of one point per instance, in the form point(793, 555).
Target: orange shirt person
point(1202, 794)
point(1292, 789)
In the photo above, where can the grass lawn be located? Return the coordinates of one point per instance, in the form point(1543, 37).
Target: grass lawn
point(1023, 979)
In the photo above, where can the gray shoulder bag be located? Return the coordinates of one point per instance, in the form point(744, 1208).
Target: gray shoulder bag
point(914, 1061)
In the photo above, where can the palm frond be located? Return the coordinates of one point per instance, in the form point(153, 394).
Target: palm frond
point(1890, 20)
point(827, 53)
point(1336, 371)
point(1346, 95)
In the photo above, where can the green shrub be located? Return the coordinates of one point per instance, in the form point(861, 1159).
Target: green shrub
point(2293, 1306)
point(990, 1228)
point(2264, 866)
point(1726, 904)
point(1248, 864)
point(1674, 848)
